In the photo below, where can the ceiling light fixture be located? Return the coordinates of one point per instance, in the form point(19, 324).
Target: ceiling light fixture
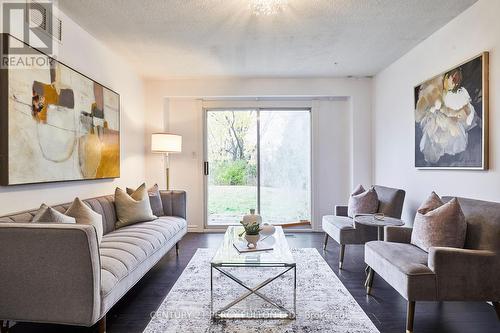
point(267, 7)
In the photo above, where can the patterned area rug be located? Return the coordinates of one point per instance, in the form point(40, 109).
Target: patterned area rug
point(323, 303)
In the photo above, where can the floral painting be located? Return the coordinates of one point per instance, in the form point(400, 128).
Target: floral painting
point(451, 121)
point(60, 126)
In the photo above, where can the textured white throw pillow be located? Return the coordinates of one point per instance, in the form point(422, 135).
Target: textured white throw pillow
point(46, 214)
point(362, 202)
point(85, 215)
point(133, 208)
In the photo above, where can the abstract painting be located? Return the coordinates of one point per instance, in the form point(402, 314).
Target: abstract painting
point(451, 118)
point(58, 125)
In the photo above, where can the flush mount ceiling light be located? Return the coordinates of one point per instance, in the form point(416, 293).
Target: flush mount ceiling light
point(267, 7)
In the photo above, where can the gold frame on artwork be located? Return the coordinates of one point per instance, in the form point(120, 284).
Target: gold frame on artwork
point(485, 115)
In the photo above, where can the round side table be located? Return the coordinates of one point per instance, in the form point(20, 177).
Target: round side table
point(380, 224)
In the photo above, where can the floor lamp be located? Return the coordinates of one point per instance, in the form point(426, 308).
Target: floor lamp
point(165, 143)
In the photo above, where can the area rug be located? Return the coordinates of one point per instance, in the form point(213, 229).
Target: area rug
point(323, 303)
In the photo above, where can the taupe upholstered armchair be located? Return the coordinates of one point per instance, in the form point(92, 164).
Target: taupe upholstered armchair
point(443, 274)
point(343, 229)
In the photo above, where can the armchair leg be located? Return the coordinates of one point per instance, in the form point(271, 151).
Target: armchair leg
point(177, 248)
point(369, 280)
point(496, 305)
point(410, 315)
point(101, 325)
point(341, 256)
point(325, 241)
point(4, 326)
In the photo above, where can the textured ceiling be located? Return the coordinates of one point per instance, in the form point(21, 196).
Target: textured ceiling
point(193, 38)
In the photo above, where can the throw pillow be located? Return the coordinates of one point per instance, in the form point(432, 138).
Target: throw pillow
point(43, 208)
point(439, 224)
point(85, 215)
point(46, 214)
point(362, 202)
point(154, 199)
point(132, 208)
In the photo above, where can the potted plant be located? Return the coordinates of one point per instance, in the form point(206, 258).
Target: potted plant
point(252, 233)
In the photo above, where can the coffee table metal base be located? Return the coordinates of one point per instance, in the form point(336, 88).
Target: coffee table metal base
point(282, 312)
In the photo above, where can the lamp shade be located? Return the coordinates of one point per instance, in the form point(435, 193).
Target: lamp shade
point(166, 143)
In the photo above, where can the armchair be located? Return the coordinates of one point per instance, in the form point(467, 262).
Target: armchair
point(443, 274)
point(344, 231)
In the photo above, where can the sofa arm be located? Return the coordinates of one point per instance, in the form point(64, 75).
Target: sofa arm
point(340, 210)
point(174, 203)
point(50, 273)
point(464, 274)
point(397, 234)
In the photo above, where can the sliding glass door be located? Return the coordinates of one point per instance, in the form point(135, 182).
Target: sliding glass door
point(258, 159)
point(285, 166)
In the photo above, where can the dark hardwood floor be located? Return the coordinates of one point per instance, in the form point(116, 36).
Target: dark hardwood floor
point(386, 308)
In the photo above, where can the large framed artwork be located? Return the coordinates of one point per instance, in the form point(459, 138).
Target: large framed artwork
point(451, 118)
point(56, 123)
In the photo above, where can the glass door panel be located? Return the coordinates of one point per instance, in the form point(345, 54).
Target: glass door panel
point(231, 147)
point(285, 166)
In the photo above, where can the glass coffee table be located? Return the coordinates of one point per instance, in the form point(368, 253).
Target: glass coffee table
point(279, 257)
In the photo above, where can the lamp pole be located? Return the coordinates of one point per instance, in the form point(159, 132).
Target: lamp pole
point(167, 166)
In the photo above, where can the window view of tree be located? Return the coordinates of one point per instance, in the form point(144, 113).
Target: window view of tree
point(231, 143)
point(284, 165)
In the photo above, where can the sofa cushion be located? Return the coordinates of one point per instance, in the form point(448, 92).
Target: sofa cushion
point(362, 202)
point(83, 214)
point(403, 266)
point(340, 228)
point(407, 258)
point(123, 250)
point(133, 208)
point(438, 224)
point(154, 199)
point(46, 214)
point(104, 206)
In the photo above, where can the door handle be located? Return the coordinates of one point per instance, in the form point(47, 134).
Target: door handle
point(205, 168)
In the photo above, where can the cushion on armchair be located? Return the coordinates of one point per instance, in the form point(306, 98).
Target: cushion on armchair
point(362, 202)
point(439, 224)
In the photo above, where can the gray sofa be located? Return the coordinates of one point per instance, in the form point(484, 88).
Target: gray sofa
point(58, 273)
point(345, 231)
point(443, 274)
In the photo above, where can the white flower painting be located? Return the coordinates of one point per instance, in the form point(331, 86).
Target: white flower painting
point(451, 118)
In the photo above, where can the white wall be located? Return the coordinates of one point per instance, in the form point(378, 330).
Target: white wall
point(84, 53)
point(342, 130)
point(332, 180)
point(185, 117)
point(474, 31)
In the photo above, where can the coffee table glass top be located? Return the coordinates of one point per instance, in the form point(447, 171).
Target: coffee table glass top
point(227, 255)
